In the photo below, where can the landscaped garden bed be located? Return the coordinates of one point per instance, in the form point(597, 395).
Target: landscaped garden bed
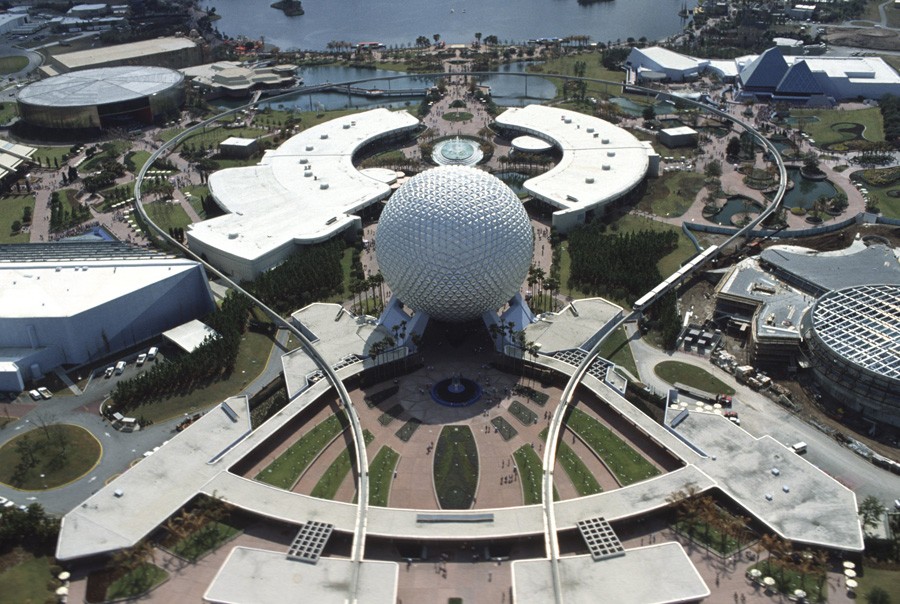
point(626, 464)
point(407, 430)
point(381, 474)
point(504, 428)
point(455, 468)
point(331, 480)
point(531, 394)
point(523, 413)
point(286, 470)
point(390, 415)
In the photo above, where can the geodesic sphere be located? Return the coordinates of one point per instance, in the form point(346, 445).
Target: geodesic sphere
point(454, 242)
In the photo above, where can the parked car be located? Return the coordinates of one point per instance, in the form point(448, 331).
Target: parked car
point(45, 394)
point(109, 371)
point(120, 367)
point(141, 359)
point(34, 394)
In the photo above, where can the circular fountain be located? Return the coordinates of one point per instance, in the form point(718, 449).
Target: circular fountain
point(457, 151)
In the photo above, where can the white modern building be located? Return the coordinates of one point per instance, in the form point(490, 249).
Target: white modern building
point(656, 63)
point(600, 162)
point(67, 304)
point(306, 191)
point(9, 21)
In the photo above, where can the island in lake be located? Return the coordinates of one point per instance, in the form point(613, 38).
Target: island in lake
point(291, 8)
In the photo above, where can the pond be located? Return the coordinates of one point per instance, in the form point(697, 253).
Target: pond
point(636, 109)
point(514, 180)
point(518, 91)
point(805, 192)
point(735, 205)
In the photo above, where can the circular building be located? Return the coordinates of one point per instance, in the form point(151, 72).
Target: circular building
point(108, 97)
point(853, 339)
point(454, 242)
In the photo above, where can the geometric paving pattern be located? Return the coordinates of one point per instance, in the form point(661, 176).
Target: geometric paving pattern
point(600, 538)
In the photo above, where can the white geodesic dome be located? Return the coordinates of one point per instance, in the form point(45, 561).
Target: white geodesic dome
point(454, 242)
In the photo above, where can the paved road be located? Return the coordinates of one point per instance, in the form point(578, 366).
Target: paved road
point(760, 415)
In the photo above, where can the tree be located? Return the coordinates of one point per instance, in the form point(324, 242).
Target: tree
point(491, 40)
point(871, 511)
point(713, 169)
point(734, 147)
point(649, 113)
point(878, 595)
point(478, 38)
point(422, 41)
point(437, 38)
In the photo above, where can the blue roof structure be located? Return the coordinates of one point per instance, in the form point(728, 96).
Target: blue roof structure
point(764, 73)
point(799, 81)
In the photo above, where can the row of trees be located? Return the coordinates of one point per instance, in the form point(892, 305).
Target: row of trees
point(544, 288)
point(213, 358)
point(696, 512)
point(621, 266)
point(313, 273)
point(890, 113)
point(31, 529)
point(61, 218)
point(110, 170)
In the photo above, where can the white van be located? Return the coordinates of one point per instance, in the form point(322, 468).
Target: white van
point(799, 448)
point(151, 354)
point(120, 367)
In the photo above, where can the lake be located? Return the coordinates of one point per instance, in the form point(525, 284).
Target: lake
point(396, 23)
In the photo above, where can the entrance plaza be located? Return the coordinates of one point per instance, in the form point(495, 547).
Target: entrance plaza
point(220, 454)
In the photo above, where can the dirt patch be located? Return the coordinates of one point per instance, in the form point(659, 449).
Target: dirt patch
point(875, 38)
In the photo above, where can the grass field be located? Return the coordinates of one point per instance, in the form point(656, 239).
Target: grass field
point(672, 193)
point(11, 208)
point(628, 465)
point(197, 193)
point(695, 377)
point(49, 457)
point(331, 480)
point(10, 65)
point(593, 69)
point(381, 475)
point(7, 112)
point(530, 473)
point(137, 159)
point(823, 130)
point(290, 465)
point(615, 348)
point(455, 468)
point(252, 357)
point(888, 580)
point(53, 155)
point(889, 206)
point(167, 215)
point(458, 116)
point(503, 428)
point(25, 578)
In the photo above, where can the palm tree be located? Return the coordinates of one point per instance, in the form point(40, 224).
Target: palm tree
point(769, 543)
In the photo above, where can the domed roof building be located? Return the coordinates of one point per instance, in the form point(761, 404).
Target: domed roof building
point(454, 242)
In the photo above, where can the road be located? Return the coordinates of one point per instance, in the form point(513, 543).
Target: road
point(761, 415)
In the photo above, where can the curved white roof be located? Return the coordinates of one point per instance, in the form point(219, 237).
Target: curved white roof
point(530, 144)
point(99, 86)
point(600, 161)
point(305, 191)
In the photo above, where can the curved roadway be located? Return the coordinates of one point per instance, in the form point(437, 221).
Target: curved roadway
point(551, 542)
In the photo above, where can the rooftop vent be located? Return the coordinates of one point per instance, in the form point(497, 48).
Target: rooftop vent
point(323, 136)
point(605, 141)
point(605, 166)
point(590, 129)
point(346, 126)
point(610, 154)
point(303, 160)
point(589, 180)
point(232, 235)
point(309, 147)
point(323, 185)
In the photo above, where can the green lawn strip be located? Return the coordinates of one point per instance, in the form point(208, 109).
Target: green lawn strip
point(582, 478)
point(628, 465)
point(11, 209)
point(139, 581)
point(12, 64)
point(523, 413)
point(455, 468)
point(787, 580)
point(287, 468)
point(888, 580)
point(252, 356)
point(615, 348)
point(689, 375)
point(135, 160)
point(458, 116)
point(197, 194)
point(407, 430)
point(504, 428)
point(51, 156)
point(60, 453)
point(331, 480)
point(672, 193)
point(381, 475)
point(593, 68)
point(531, 473)
point(7, 112)
point(823, 132)
point(28, 580)
point(390, 415)
point(212, 135)
point(167, 215)
point(207, 539)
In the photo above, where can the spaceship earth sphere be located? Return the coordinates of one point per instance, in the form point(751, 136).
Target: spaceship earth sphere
point(454, 242)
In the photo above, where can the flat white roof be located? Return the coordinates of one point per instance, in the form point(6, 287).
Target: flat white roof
point(600, 161)
point(856, 69)
point(188, 336)
point(671, 60)
point(657, 574)
point(679, 131)
point(304, 192)
point(65, 289)
point(251, 576)
point(100, 86)
point(235, 141)
point(120, 52)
